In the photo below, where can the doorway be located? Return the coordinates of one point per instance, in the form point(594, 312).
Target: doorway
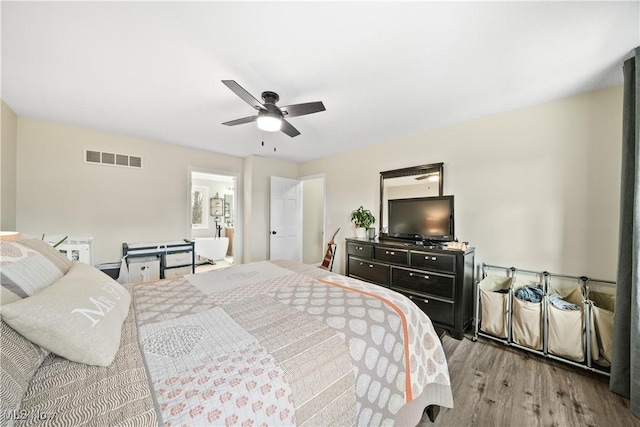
point(213, 213)
point(297, 217)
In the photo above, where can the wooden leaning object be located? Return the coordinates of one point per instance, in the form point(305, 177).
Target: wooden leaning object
point(327, 262)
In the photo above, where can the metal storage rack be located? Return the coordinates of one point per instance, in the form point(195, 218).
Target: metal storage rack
point(163, 251)
point(544, 280)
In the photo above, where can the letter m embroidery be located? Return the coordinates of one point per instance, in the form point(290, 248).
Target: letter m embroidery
point(102, 305)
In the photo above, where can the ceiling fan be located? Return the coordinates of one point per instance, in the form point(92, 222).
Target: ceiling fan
point(271, 118)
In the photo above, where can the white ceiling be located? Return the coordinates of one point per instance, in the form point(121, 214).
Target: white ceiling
point(383, 69)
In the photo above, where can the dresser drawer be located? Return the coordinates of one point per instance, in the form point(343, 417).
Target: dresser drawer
point(369, 270)
point(441, 285)
point(438, 311)
point(393, 255)
point(359, 249)
point(434, 261)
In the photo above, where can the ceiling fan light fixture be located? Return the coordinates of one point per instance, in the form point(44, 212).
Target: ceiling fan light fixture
point(269, 122)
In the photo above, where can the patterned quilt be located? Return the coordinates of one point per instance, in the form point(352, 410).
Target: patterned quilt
point(282, 343)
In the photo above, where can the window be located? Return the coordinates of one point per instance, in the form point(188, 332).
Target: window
point(199, 207)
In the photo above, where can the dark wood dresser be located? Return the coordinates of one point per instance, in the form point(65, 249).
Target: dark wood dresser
point(439, 281)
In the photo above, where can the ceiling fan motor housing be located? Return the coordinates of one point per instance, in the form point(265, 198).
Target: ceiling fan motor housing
point(270, 97)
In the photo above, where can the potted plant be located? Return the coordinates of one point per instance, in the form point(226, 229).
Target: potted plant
point(362, 219)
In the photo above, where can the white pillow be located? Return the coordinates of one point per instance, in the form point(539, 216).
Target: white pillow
point(78, 317)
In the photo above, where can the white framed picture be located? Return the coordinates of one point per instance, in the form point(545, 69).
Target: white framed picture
point(199, 207)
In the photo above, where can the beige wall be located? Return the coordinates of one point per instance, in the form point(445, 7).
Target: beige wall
point(536, 188)
point(8, 160)
point(313, 220)
point(258, 171)
point(60, 194)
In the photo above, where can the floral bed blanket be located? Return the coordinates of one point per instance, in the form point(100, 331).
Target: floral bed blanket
point(283, 343)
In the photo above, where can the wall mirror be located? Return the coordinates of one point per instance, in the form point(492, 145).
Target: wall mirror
point(415, 181)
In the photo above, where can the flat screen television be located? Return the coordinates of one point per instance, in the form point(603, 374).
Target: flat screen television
point(422, 219)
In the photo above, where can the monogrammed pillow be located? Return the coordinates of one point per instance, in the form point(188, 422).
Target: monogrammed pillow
point(78, 317)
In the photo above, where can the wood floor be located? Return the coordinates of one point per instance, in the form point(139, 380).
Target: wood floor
point(496, 385)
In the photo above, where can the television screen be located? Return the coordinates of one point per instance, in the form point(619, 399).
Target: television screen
point(424, 218)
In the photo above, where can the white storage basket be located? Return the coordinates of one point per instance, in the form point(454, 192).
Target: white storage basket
point(144, 269)
point(602, 309)
point(526, 328)
point(566, 327)
point(495, 305)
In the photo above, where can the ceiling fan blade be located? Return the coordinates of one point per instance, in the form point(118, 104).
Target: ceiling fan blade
point(302, 109)
point(241, 121)
point(289, 129)
point(246, 96)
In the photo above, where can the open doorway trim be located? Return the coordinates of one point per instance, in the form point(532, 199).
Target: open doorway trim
point(323, 177)
point(238, 207)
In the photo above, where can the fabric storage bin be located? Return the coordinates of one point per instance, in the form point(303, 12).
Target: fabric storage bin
point(495, 303)
point(176, 272)
point(144, 269)
point(180, 258)
point(602, 314)
point(526, 326)
point(566, 327)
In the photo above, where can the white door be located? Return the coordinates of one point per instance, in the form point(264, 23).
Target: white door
point(286, 219)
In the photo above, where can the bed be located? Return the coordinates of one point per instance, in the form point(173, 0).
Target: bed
point(266, 343)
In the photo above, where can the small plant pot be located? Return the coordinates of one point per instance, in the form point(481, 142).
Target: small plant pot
point(361, 233)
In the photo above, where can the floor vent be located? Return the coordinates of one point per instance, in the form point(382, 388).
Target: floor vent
point(113, 159)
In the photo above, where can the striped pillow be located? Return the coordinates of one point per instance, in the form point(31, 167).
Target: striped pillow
point(19, 360)
point(28, 265)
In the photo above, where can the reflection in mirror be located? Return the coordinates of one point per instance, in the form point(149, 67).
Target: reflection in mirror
point(199, 215)
point(416, 181)
point(228, 210)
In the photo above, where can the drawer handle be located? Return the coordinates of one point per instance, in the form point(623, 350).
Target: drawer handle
point(432, 258)
point(417, 275)
point(426, 301)
point(370, 265)
point(359, 248)
point(389, 253)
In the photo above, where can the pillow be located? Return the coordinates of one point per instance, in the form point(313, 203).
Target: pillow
point(78, 317)
point(19, 361)
point(28, 266)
